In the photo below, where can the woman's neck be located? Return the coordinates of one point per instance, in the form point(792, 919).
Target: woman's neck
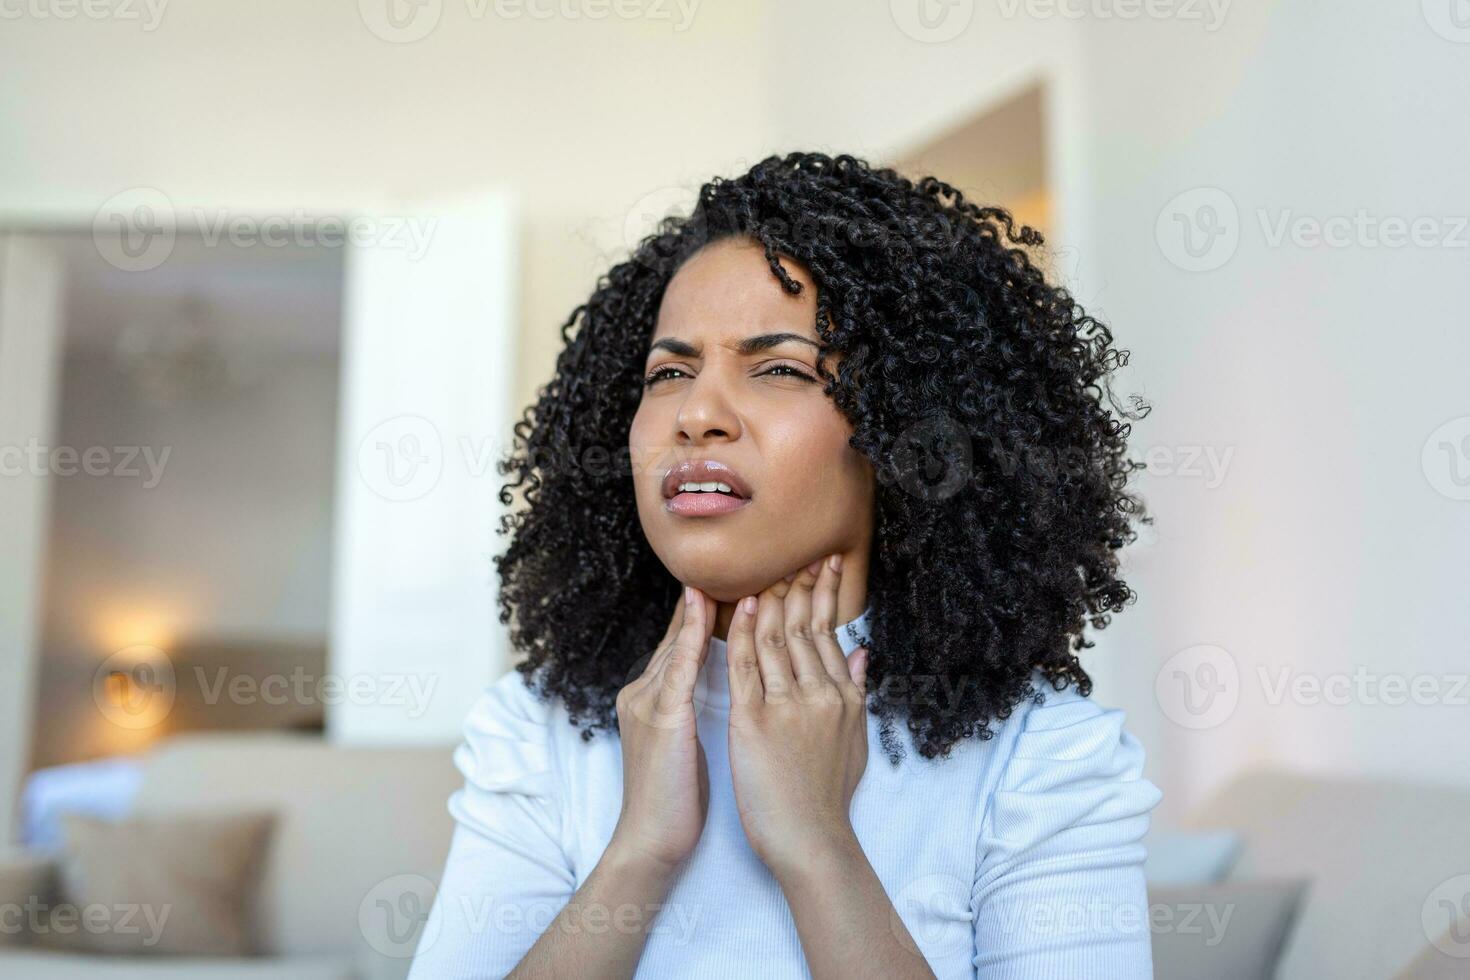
point(852, 594)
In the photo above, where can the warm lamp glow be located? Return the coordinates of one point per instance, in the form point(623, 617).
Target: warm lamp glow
point(135, 687)
point(122, 626)
point(134, 683)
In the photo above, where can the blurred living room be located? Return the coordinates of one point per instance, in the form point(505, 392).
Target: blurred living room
point(277, 281)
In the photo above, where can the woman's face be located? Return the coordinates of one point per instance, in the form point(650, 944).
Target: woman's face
point(733, 401)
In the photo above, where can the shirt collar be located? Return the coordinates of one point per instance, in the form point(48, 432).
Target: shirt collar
point(712, 690)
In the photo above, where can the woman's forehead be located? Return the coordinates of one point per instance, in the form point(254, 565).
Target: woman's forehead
point(727, 291)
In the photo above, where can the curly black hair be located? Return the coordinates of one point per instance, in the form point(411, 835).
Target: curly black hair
point(979, 392)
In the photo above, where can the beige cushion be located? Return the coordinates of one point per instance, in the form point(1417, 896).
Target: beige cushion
point(181, 885)
point(1228, 931)
point(351, 822)
point(26, 879)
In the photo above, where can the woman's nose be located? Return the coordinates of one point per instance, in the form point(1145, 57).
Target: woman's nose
point(707, 413)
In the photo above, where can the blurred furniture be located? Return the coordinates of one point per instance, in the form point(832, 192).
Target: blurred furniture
point(1375, 853)
point(361, 835)
point(102, 788)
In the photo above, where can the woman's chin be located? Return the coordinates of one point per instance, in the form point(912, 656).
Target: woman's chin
point(722, 579)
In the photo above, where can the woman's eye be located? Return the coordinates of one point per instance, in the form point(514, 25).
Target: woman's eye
point(787, 371)
point(669, 371)
point(659, 373)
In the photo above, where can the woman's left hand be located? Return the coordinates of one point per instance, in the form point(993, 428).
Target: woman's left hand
point(798, 719)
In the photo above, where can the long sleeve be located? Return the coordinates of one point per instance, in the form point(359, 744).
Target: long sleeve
point(507, 875)
point(1059, 888)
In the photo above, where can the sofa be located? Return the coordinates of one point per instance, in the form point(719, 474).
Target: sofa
point(360, 835)
point(1376, 855)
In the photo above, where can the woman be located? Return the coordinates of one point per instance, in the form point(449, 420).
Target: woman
point(825, 458)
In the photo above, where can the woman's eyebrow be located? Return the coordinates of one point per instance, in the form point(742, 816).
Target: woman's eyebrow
point(750, 345)
point(765, 341)
point(675, 346)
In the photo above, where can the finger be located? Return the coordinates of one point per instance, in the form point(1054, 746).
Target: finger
point(824, 618)
point(741, 663)
point(675, 621)
point(661, 652)
point(770, 647)
point(857, 666)
point(687, 653)
point(806, 662)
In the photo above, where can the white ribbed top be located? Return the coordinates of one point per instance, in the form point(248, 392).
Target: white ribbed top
point(1016, 857)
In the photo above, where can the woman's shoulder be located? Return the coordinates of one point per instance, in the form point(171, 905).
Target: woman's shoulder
point(1061, 724)
point(516, 695)
point(1069, 764)
point(1063, 738)
point(513, 736)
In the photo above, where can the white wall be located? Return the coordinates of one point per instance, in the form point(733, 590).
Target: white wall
point(30, 354)
point(426, 407)
point(1327, 550)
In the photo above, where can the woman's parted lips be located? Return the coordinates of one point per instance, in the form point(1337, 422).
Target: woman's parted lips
point(704, 471)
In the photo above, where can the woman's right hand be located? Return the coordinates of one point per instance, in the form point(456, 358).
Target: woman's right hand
point(665, 776)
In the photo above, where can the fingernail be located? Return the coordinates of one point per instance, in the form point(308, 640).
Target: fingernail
point(815, 566)
point(689, 594)
point(747, 605)
point(836, 562)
